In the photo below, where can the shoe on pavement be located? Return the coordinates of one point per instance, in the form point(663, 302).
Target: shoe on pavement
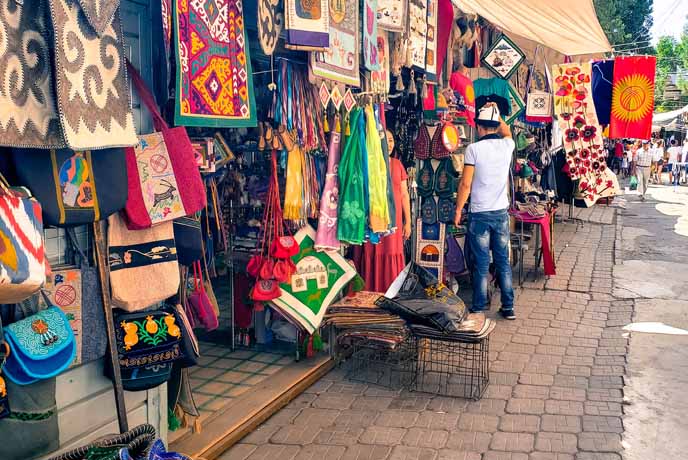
point(508, 314)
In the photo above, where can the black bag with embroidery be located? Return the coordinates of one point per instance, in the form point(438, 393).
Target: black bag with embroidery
point(148, 344)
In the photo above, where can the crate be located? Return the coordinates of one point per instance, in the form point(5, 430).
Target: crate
point(393, 368)
point(453, 368)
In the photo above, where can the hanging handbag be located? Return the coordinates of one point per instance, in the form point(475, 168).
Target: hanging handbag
point(76, 291)
point(74, 187)
point(200, 303)
point(143, 264)
point(148, 344)
point(137, 443)
point(23, 264)
point(164, 182)
point(538, 103)
point(190, 348)
point(41, 346)
point(189, 240)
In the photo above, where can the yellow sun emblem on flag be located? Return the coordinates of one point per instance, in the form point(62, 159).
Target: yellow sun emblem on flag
point(632, 98)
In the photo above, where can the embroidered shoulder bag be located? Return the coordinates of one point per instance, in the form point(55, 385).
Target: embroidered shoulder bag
point(538, 103)
point(41, 346)
point(163, 177)
point(148, 344)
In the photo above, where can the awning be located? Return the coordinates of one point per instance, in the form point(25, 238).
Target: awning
point(667, 117)
point(571, 28)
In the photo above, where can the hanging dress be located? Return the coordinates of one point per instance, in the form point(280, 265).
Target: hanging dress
point(351, 215)
point(377, 176)
point(326, 236)
point(380, 264)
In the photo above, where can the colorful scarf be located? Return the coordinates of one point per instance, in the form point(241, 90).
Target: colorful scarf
point(340, 62)
point(214, 81)
point(326, 236)
point(293, 192)
point(377, 176)
point(351, 210)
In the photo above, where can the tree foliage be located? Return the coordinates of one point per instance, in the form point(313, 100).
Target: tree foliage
point(627, 23)
point(672, 59)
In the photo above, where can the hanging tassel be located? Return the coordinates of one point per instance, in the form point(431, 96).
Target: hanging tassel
point(326, 125)
point(424, 90)
point(348, 128)
point(412, 83)
point(173, 423)
point(400, 83)
point(337, 124)
point(317, 342)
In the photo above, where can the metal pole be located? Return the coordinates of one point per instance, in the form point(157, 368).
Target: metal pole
point(104, 275)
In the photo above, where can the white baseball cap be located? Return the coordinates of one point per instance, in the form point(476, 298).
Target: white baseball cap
point(489, 116)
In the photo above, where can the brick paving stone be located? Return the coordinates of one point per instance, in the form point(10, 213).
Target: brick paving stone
point(451, 405)
point(261, 435)
point(410, 402)
point(348, 387)
point(561, 423)
point(486, 406)
point(498, 392)
point(365, 452)
point(526, 339)
point(607, 382)
point(551, 350)
point(597, 456)
point(519, 423)
point(339, 436)
point(559, 407)
point(512, 442)
point(507, 366)
point(283, 417)
point(525, 406)
point(602, 424)
point(238, 452)
point(320, 386)
point(571, 381)
point(608, 370)
point(469, 441)
point(605, 394)
point(316, 417)
point(273, 451)
point(376, 403)
point(540, 368)
point(588, 361)
point(495, 455)
point(382, 435)
point(579, 371)
point(552, 360)
point(556, 442)
point(536, 379)
point(355, 418)
point(334, 401)
point(447, 454)
point(302, 401)
point(318, 452)
point(610, 361)
point(581, 351)
point(550, 456)
point(437, 421)
point(603, 408)
point(612, 351)
point(396, 418)
point(555, 340)
point(478, 422)
point(421, 437)
point(412, 453)
point(531, 392)
point(503, 378)
point(295, 435)
point(600, 442)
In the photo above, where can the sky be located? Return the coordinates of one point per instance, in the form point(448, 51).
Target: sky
point(669, 17)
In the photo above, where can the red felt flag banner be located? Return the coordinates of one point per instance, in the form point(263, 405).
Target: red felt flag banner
point(633, 97)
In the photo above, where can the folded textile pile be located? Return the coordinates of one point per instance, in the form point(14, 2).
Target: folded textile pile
point(474, 328)
point(358, 318)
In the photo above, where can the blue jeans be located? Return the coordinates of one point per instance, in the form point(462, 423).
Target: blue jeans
point(490, 231)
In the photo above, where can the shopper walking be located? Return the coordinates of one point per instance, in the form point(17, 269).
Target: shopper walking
point(486, 180)
point(618, 157)
point(674, 160)
point(658, 161)
point(644, 168)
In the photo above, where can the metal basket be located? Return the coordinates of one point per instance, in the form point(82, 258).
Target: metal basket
point(374, 363)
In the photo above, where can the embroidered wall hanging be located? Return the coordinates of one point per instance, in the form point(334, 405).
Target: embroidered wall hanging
point(319, 278)
point(340, 62)
point(518, 105)
point(431, 37)
point(371, 60)
point(29, 115)
point(92, 91)
point(379, 79)
point(503, 58)
point(430, 242)
point(418, 28)
point(633, 97)
point(214, 81)
point(391, 15)
point(577, 119)
point(307, 23)
point(270, 23)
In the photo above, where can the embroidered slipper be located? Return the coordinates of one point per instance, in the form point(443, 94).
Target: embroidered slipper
point(446, 210)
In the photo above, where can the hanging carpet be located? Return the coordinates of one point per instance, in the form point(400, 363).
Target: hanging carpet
point(214, 81)
point(307, 23)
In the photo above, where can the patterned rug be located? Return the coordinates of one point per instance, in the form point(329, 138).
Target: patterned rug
point(214, 81)
point(92, 92)
point(28, 117)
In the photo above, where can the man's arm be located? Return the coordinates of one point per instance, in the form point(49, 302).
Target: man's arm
point(504, 129)
point(464, 191)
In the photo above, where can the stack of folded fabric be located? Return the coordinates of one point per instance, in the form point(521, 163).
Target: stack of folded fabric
point(474, 328)
point(357, 317)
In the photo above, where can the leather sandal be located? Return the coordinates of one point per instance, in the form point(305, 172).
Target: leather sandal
point(287, 138)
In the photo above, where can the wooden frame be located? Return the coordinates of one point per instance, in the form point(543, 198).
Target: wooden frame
point(512, 52)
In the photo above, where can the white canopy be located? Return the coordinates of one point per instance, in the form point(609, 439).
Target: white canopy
point(668, 117)
point(570, 28)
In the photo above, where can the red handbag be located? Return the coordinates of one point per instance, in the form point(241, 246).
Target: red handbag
point(164, 182)
point(200, 303)
point(266, 290)
point(284, 247)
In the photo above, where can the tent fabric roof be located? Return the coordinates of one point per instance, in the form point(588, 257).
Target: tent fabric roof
point(569, 28)
point(662, 118)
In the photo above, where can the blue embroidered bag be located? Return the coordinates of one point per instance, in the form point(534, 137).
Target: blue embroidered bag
point(42, 346)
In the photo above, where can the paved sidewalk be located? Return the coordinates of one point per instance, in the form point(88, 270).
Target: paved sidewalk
point(556, 392)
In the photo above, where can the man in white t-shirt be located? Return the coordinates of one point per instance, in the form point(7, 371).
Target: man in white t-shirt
point(485, 179)
point(674, 159)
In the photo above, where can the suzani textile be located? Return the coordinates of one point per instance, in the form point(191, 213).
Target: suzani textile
point(575, 111)
point(371, 60)
point(214, 83)
point(633, 97)
point(307, 23)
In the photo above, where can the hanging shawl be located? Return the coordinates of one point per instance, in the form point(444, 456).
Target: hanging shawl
point(293, 193)
point(326, 236)
point(351, 214)
point(380, 114)
point(377, 176)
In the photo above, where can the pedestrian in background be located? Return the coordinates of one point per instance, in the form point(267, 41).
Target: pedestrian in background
point(674, 160)
point(624, 165)
point(658, 159)
point(643, 168)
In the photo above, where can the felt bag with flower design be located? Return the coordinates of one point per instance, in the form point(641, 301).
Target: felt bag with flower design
point(41, 346)
point(148, 344)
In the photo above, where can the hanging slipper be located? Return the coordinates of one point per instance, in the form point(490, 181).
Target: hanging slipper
point(287, 138)
point(262, 141)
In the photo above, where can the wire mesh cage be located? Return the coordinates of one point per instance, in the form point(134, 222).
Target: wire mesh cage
point(393, 368)
point(453, 368)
